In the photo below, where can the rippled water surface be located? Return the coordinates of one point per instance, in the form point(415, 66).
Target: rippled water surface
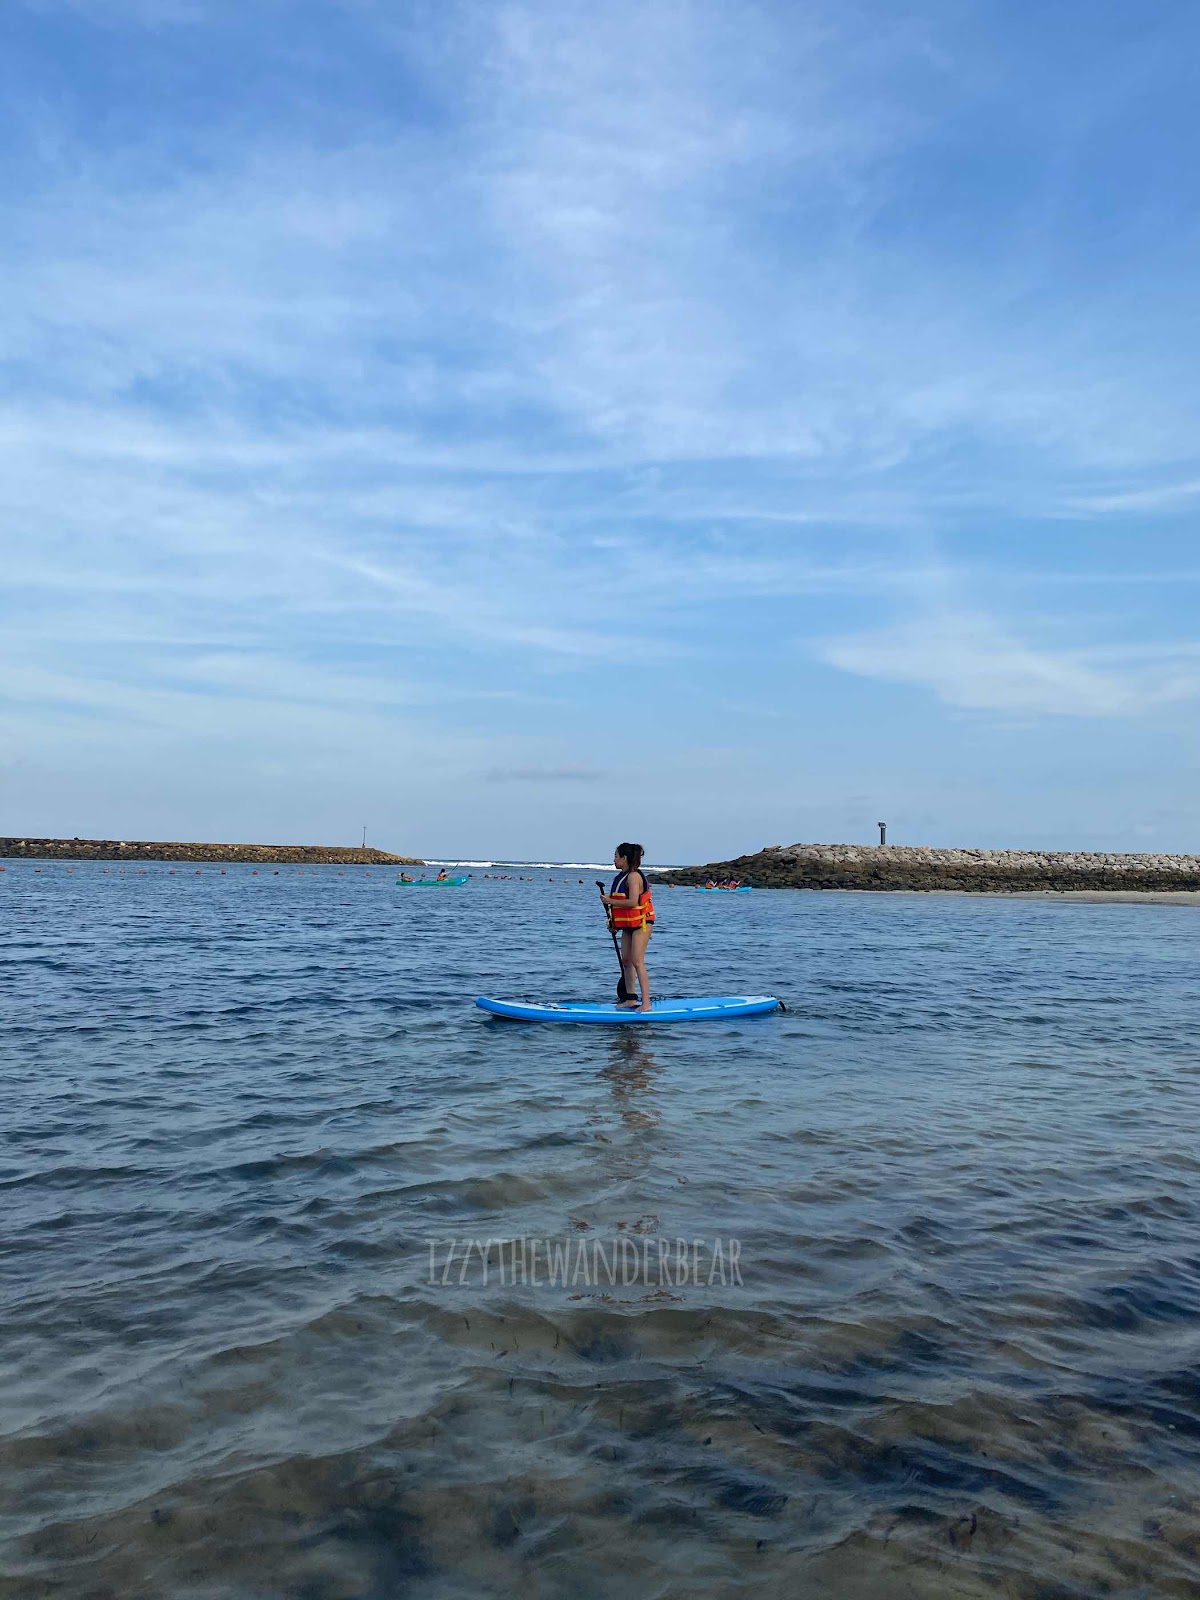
point(962, 1176)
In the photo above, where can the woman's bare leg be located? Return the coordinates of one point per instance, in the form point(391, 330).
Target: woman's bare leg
point(640, 939)
point(628, 969)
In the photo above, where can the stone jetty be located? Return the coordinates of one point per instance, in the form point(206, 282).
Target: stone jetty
point(142, 850)
point(853, 866)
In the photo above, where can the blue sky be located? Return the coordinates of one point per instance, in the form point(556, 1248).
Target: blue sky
point(523, 426)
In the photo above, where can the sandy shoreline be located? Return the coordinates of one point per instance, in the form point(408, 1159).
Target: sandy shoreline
point(1139, 897)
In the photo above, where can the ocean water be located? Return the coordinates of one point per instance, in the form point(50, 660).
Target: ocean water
point(933, 1329)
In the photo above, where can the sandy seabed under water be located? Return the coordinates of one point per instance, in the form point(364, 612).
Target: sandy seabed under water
point(961, 1171)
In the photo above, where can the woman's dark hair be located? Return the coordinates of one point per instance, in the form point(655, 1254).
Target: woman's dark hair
point(633, 853)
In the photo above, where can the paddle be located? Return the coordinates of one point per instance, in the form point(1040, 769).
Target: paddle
point(622, 992)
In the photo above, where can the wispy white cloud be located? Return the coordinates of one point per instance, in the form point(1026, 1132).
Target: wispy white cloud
point(969, 660)
point(667, 261)
point(1165, 497)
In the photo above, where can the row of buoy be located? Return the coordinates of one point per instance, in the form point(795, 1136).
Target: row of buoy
point(497, 877)
point(512, 877)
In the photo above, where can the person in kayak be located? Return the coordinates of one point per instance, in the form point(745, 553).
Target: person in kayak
point(631, 913)
point(404, 878)
point(441, 876)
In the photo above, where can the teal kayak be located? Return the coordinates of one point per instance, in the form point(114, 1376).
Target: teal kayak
point(708, 1008)
point(431, 883)
point(742, 888)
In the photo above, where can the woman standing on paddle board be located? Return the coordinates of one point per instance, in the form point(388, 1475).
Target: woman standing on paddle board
point(631, 913)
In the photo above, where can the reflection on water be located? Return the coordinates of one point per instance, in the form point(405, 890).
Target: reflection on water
point(959, 1359)
point(631, 1072)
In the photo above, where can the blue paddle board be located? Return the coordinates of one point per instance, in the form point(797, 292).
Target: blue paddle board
point(708, 1008)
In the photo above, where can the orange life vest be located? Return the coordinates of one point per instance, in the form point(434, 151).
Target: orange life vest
point(627, 916)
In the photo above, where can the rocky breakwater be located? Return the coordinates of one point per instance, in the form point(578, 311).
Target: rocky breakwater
point(143, 850)
point(849, 866)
